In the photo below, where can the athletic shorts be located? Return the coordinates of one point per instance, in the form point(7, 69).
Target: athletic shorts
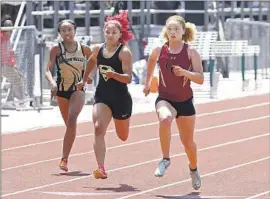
point(65, 94)
point(185, 108)
point(121, 106)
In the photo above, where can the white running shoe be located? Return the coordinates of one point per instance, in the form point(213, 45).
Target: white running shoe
point(162, 166)
point(196, 179)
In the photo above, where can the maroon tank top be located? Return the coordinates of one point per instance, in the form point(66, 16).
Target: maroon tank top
point(172, 87)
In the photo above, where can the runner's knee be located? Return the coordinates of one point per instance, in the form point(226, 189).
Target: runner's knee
point(123, 135)
point(99, 129)
point(165, 121)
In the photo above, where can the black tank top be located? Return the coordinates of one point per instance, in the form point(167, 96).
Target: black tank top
point(110, 87)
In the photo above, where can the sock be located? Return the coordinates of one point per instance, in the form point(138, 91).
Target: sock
point(167, 159)
point(193, 169)
point(101, 167)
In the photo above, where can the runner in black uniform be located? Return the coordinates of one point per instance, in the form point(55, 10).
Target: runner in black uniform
point(112, 99)
point(110, 91)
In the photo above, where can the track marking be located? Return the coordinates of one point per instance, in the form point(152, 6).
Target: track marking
point(135, 165)
point(136, 126)
point(134, 143)
point(81, 193)
point(258, 195)
point(198, 196)
point(202, 176)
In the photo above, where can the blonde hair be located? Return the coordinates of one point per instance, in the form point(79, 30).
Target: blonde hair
point(190, 28)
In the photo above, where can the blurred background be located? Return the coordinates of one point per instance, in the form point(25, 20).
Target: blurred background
point(233, 38)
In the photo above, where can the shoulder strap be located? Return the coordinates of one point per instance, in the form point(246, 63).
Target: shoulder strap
point(79, 43)
point(164, 47)
point(119, 48)
point(100, 49)
point(62, 48)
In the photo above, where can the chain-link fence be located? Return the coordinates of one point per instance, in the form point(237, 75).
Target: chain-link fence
point(18, 64)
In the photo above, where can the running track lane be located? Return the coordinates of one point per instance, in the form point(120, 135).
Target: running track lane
point(218, 136)
point(205, 122)
point(46, 134)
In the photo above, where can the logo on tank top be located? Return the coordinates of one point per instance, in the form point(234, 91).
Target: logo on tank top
point(103, 69)
point(169, 66)
point(71, 59)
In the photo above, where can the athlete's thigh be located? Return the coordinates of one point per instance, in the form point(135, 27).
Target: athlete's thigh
point(76, 102)
point(186, 126)
point(102, 116)
point(186, 116)
point(121, 113)
point(165, 110)
point(63, 104)
point(122, 128)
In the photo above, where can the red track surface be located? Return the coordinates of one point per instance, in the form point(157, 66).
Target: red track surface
point(234, 161)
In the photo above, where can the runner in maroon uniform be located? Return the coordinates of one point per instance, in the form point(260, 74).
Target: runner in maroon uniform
point(179, 64)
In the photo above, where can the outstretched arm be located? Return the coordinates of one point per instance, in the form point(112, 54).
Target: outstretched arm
point(48, 72)
point(50, 65)
point(88, 53)
point(91, 63)
point(196, 75)
point(152, 61)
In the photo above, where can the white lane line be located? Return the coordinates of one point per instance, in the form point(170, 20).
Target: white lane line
point(81, 193)
point(197, 196)
point(235, 109)
point(258, 195)
point(187, 180)
point(136, 126)
point(133, 165)
point(134, 143)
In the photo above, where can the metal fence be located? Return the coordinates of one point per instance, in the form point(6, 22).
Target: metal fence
point(18, 65)
point(256, 33)
point(146, 22)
